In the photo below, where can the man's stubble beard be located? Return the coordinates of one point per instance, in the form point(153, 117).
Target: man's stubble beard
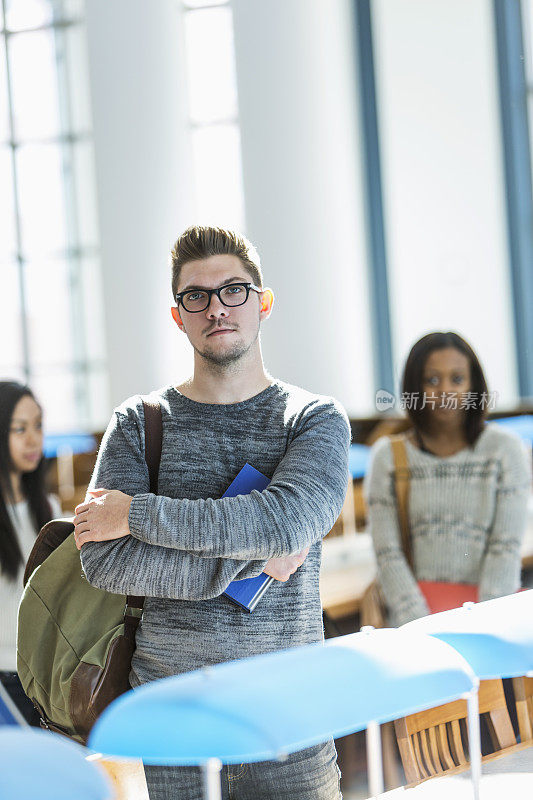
point(230, 357)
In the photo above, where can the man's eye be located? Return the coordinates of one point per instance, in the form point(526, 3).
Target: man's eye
point(17, 430)
point(193, 296)
point(458, 378)
point(432, 380)
point(234, 289)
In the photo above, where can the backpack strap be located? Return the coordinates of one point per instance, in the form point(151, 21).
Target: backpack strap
point(51, 535)
point(153, 439)
point(153, 442)
point(401, 485)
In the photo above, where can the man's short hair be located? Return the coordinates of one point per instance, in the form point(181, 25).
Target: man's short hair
point(201, 241)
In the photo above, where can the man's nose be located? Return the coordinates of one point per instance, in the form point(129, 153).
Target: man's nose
point(216, 308)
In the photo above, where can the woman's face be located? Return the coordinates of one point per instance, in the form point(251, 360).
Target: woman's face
point(26, 435)
point(447, 376)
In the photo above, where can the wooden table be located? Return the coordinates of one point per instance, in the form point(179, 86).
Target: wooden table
point(341, 591)
point(348, 567)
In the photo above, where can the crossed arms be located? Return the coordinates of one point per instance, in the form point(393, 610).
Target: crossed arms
point(135, 542)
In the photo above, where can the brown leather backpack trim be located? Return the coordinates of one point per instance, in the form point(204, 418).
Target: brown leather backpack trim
point(93, 688)
point(131, 621)
point(153, 444)
point(48, 724)
point(51, 536)
point(153, 439)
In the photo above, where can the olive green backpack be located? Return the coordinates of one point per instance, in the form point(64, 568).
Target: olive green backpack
point(75, 642)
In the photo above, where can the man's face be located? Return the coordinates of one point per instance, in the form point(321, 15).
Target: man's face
point(222, 335)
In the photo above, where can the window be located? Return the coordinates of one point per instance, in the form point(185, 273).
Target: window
point(50, 308)
point(527, 30)
point(513, 28)
point(213, 112)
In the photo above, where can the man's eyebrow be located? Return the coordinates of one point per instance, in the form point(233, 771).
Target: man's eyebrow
point(195, 286)
point(21, 421)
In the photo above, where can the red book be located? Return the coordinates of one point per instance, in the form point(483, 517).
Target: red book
point(442, 596)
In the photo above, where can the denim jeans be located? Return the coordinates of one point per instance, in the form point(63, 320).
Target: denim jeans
point(310, 774)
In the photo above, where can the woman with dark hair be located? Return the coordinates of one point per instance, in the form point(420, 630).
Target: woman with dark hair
point(24, 509)
point(468, 485)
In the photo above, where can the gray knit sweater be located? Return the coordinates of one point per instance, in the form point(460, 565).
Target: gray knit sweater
point(467, 517)
point(187, 544)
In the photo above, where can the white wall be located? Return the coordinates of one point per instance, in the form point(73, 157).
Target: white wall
point(303, 202)
point(442, 176)
point(300, 143)
point(142, 152)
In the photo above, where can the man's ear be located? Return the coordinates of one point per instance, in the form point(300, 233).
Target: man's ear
point(267, 301)
point(176, 317)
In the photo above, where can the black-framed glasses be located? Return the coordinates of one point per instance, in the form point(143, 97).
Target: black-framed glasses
point(231, 294)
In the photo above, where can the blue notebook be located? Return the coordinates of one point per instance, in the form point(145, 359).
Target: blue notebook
point(247, 592)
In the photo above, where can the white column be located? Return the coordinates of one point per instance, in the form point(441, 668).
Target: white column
point(302, 181)
point(444, 195)
point(144, 186)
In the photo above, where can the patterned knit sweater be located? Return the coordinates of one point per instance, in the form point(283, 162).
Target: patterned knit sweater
point(188, 543)
point(467, 517)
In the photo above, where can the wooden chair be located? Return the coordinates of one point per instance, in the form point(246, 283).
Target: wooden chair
point(433, 742)
point(347, 514)
point(523, 692)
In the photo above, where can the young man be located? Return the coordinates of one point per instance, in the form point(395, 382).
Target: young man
point(182, 548)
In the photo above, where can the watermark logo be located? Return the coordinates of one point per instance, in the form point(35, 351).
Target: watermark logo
point(451, 401)
point(384, 400)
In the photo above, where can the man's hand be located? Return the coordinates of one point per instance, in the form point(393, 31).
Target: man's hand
point(282, 568)
point(102, 518)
